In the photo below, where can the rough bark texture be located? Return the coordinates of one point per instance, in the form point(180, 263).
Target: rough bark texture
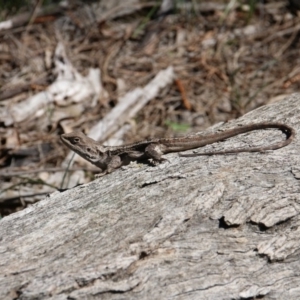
point(219, 227)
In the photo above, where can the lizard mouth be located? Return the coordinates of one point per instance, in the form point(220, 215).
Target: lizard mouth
point(91, 157)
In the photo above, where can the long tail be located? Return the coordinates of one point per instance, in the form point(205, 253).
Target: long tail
point(287, 130)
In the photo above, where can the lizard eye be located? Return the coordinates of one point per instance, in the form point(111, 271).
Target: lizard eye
point(88, 149)
point(76, 140)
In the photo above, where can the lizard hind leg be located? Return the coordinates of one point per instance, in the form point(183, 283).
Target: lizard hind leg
point(155, 152)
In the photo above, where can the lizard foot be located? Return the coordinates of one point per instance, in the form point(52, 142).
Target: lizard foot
point(100, 174)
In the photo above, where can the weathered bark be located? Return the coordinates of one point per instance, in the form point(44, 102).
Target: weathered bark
point(219, 227)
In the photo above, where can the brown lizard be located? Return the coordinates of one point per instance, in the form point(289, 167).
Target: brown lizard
point(109, 158)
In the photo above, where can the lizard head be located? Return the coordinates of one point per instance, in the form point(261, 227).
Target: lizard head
point(83, 146)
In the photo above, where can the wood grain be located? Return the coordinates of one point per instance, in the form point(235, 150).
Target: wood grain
point(218, 227)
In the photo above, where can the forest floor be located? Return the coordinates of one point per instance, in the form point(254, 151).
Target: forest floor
point(227, 59)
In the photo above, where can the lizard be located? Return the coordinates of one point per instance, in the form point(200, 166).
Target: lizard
point(110, 158)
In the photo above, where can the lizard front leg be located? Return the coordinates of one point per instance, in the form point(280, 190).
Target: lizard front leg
point(108, 165)
point(114, 162)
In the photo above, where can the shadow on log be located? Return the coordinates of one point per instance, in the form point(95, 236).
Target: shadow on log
point(217, 227)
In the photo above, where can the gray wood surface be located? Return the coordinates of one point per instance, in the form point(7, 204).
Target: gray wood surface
point(218, 227)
